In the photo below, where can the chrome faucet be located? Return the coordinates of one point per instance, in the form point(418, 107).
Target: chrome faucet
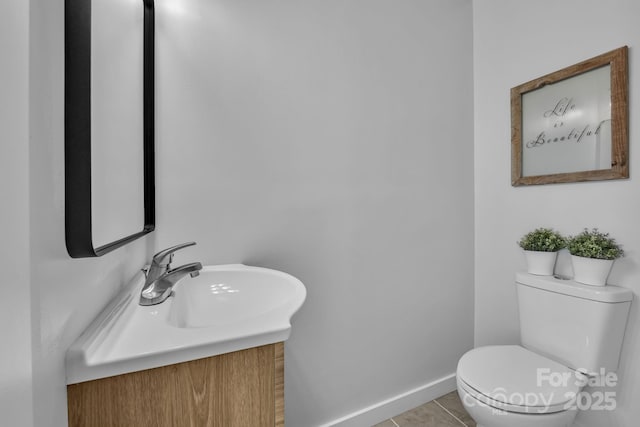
point(160, 277)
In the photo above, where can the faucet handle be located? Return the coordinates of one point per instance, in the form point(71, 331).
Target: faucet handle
point(160, 257)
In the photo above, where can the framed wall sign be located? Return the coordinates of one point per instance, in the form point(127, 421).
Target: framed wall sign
point(572, 125)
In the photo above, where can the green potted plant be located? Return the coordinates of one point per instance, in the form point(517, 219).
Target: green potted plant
point(592, 256)
point(541, 248)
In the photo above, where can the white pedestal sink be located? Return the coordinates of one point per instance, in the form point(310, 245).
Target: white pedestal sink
point(227, 308)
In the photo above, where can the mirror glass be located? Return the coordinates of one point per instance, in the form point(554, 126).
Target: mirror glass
point(117, 157)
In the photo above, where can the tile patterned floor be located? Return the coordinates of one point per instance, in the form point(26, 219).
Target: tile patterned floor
point(445, 411)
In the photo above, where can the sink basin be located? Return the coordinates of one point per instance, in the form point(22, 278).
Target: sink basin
point(227, 295)
point(226, 308)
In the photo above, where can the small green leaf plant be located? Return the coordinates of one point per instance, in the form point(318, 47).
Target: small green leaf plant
point(543, 240)
point(594, 244)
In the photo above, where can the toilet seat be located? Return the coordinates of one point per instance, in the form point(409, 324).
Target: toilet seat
point(514, 379)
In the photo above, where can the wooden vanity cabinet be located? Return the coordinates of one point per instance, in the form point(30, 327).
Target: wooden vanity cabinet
point(240, 389)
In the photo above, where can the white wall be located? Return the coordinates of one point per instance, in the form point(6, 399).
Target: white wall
point(331, 140)
point(16, 404)
point(515, 42)
point(47, 297)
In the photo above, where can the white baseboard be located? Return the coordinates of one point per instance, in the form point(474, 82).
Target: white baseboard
point(395, 405)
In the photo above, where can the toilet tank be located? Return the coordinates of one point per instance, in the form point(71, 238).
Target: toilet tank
point(578, 325)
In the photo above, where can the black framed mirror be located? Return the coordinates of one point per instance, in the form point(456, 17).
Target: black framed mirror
point(109, 144)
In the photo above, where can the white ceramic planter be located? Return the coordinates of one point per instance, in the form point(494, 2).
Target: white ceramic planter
point(540, 263)
point(591, 271)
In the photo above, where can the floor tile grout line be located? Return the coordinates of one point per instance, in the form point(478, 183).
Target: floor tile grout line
point(448, 412)
point(394, 422)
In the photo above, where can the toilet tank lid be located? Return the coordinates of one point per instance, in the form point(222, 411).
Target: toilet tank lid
point(607, 294)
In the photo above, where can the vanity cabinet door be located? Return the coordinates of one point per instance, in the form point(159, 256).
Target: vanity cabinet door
point(239, 389)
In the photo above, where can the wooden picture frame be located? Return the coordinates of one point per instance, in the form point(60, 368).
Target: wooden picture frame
point(560, 123)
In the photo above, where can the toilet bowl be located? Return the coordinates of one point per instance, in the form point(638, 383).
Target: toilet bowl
point(510, 386)
point(570, 333)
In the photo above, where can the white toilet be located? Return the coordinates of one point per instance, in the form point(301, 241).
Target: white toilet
point(567, 330)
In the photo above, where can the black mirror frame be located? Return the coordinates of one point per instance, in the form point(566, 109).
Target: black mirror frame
point(77, 156)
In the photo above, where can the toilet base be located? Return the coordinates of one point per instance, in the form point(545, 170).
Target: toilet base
point(487, 416)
